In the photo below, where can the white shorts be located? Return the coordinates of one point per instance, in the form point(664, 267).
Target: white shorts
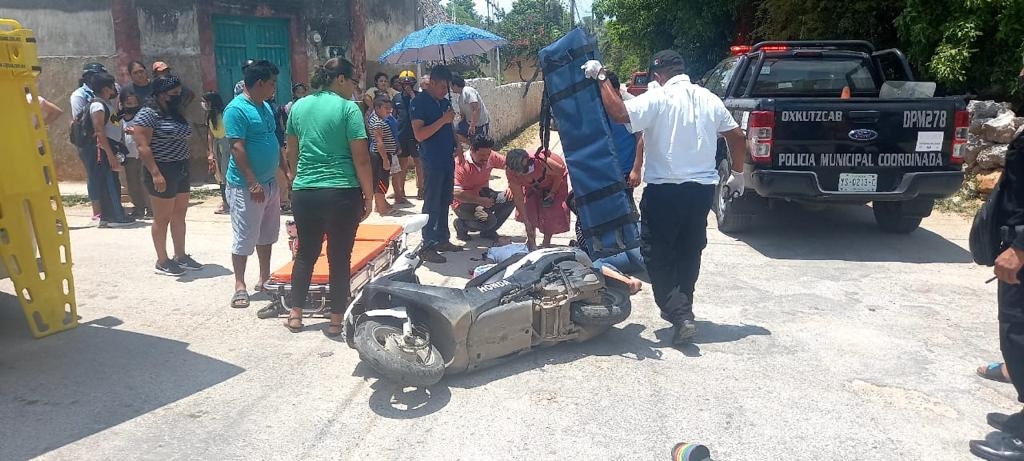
point(254, 224)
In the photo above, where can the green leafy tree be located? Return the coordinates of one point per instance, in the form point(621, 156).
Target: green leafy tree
point(700, 31)
point(465, 12)
point(529, 26)
point(871, 20)
point(965, 45)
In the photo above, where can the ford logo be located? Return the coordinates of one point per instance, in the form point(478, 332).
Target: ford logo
point(863, 135)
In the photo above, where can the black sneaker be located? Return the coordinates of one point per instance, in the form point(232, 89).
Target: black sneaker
point(128, 222)
point(1010, 424)
point(448, 247)
point(169, 268)
point(432, 256)
point(998, 447)
point(149, 213)
point(461, 232)
point(684, 332)
point(186, 262)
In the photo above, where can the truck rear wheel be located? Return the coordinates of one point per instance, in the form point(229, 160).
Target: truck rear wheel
point(728, 220)
point(891, 217)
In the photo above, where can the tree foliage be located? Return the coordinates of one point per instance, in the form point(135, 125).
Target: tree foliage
point(965, 45)
point(465, 12)
point(701, 31)
point(529, 26)
point(871, 20)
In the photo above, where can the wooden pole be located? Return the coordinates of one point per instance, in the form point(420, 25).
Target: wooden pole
point(358, 11)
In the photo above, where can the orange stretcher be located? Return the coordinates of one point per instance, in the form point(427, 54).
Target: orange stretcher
point(375, 249)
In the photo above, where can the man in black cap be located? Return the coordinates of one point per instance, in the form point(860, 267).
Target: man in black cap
point(681, 123)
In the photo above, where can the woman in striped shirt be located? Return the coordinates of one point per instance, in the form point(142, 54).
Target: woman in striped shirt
point(162, 133)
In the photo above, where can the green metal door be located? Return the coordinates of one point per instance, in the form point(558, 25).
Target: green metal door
point(237, 39)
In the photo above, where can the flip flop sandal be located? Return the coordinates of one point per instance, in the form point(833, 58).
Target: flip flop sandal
point(334, 334)
point(291, 327)
point(240, 300)
point(222, 212)
point(993, 371)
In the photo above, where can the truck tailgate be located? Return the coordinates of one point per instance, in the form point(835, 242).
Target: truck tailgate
point(863, 145)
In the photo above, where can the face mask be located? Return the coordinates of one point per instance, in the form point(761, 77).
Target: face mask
point(129, 112)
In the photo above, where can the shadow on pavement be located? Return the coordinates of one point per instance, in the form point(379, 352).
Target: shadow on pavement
point(209, 271)
point(68, 386)
point(711, 333)
point(393, 402)
point(847, 233)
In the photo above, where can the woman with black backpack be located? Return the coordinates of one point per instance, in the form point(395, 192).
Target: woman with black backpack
point(102, 149)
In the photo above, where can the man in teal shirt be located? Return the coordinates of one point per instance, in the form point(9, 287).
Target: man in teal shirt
point(252, 190)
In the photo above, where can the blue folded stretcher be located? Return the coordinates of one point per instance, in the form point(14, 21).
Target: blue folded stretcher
point(606, 213)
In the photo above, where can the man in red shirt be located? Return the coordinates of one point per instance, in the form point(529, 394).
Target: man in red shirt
point(477, 206)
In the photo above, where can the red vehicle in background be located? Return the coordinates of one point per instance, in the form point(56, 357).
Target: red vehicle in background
point(637, 83)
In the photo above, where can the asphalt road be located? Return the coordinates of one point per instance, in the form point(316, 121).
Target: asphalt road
point(820, 338)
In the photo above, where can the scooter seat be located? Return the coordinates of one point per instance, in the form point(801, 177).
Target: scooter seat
point(363, 251)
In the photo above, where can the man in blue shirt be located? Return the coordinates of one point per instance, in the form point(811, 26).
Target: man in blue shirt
point(431, 113)
point(252, 190)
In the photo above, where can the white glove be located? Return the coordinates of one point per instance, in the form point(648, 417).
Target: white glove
point(592, 68)
point(736, 184)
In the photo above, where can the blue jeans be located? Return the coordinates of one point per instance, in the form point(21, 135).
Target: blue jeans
point(627, 262)
point(104, 185)
point(438, 192)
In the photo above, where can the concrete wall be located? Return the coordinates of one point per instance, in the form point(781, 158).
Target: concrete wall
point(387, 22)
point(68, 28)
point(69, 35)
point(168, 30)
point(509, 111)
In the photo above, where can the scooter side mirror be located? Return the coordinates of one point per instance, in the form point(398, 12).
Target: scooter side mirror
point(415, 223)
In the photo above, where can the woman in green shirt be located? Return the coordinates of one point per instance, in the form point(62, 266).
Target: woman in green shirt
point(333, 187)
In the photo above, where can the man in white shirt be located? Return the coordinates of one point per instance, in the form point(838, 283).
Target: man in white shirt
point(471, 109)
point(681, 123)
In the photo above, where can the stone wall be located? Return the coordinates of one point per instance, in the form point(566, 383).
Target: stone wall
point(993, 126)
point(509, 111)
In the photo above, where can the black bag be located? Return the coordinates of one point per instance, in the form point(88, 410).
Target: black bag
point(82, 133)
point(986, 240)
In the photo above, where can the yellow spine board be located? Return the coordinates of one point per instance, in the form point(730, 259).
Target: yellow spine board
point(32, 221)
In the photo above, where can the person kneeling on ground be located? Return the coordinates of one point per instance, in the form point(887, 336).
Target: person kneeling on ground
point(477, 206)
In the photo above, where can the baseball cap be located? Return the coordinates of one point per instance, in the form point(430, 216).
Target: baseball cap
point(666, 59)
point(160, 66)
point(93, 67)
point(407, 75)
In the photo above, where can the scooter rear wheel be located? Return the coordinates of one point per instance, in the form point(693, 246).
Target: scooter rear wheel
point(615, 307)
point(376, 342)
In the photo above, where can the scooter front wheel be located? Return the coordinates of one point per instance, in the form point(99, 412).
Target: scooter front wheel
point(410, 363)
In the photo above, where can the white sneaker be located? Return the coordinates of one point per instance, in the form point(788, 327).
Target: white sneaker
point(96, 221)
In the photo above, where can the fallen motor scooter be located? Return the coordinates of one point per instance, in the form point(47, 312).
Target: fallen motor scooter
point(413, 334)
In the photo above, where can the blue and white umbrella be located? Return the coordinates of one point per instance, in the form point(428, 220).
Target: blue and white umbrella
point(440, 42)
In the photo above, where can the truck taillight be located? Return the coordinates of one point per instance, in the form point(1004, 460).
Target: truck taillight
point(761, 136)
point(961, 126)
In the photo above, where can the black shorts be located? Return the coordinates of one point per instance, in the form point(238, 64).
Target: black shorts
point(381, 177)
point(408, 148)
point(176, 175)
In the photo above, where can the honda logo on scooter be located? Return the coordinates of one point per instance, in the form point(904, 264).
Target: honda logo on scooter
point(493, 286)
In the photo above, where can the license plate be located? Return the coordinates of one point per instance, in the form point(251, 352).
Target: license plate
point(849, 182)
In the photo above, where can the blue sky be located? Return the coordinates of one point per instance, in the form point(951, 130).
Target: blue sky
point(583, 6)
